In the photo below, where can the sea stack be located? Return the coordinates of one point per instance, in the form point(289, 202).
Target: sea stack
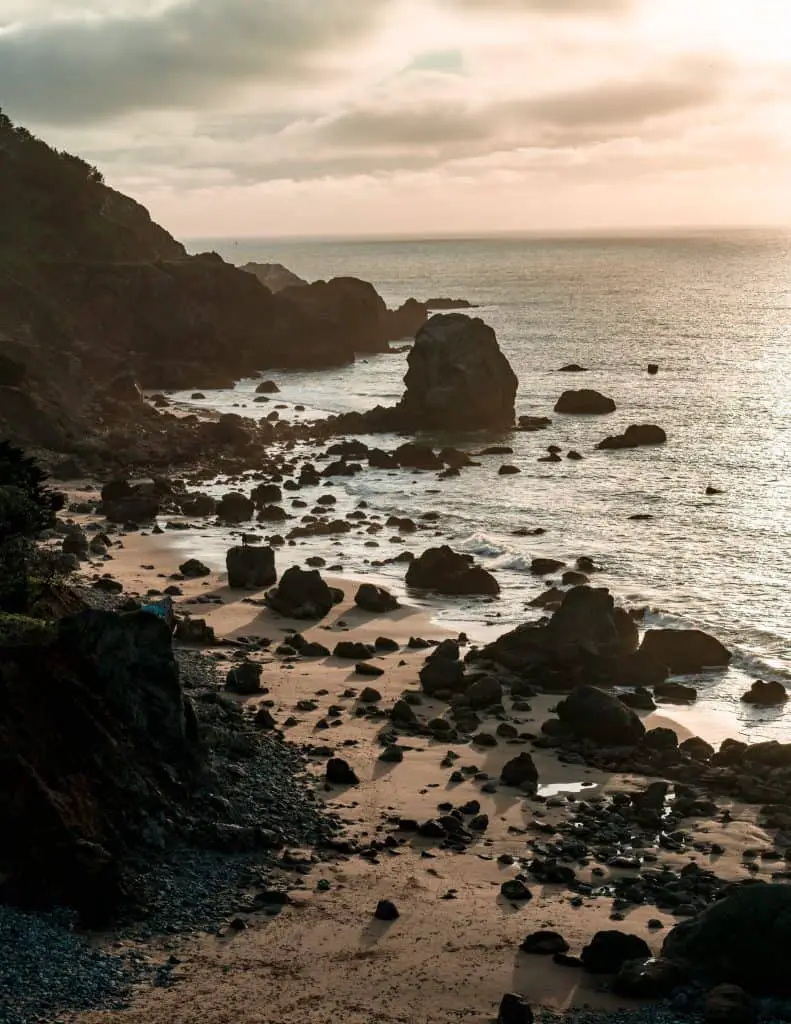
point(458, 378)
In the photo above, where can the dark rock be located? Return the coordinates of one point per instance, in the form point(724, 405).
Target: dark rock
point(639, 699)
point(595, 715)
point(340, 773)
point(483, 693)
point(728, 1004)
point(544, 943)
point(573, 368)
point(403, 714)
point(742, 939)
point(440, 674)
point(264, 719)
point(508, 470)
point(584, 402)
point(545, 566)
point(102, 744)
point(520, 772)
point(446, 572)
point(197, 505)
point(250, 567)
point(267, 387)
point(386, 911)
point(392, 754)
point(635, 436)
point(608, 951)
point(303, 594)
point(683, 651)
point(534, 423)
point(675, 693)
point(515, 890)
point(384, 643)
point(364, 668)
point(660, 739)
point(766, 694)
point(696, 748)
point(193, 569)
point(235, 507)
point(371, 598)
point(352, 650)
point(655, 978)
point(457, 378)
point(653, 369)
point(244, 679)
point(370, 696)
point(514, 1009)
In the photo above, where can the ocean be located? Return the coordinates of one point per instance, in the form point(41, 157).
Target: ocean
point(713, 310)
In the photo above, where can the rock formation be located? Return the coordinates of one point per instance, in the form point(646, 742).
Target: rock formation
point(634, 437)
point(584, 402)
point(97, 740)
point(446, 572)
point(458, 378)
point(274, 276)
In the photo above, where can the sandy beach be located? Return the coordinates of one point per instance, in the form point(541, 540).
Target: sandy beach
point(454, 950)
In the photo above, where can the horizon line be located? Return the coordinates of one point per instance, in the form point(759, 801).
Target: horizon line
point(646, 231)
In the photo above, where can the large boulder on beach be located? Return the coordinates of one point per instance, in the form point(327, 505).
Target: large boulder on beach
point(585, 402)
point(447, 572)
point(250, 568)
point(682, 651)
point(235, 507)
point(742, 939)
point(592, 714)
point(458, 378)
point(635, 436)
point(375, 599)
point(587, 629)
point(98, 746)
point(303, 594)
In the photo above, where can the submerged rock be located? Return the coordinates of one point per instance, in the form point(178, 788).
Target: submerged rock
point(766, 694)
point(634, 437)
point(584, 402)
point(682, 651)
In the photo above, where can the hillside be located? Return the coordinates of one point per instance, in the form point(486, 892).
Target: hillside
point(96, 298)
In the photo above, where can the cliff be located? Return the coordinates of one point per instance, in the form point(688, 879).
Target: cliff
point(91, 289)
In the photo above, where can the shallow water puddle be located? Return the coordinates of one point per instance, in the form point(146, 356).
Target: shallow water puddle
point(557, 788)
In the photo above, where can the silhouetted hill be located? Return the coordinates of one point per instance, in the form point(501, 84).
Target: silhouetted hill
point(96, 298)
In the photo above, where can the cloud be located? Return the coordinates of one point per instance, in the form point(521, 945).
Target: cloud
point(84, 68)
point(561, 8)
point(604, 110)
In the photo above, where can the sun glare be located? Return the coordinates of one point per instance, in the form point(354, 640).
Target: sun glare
point(757, 31)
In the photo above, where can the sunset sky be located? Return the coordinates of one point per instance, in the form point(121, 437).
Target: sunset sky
point(382, 117)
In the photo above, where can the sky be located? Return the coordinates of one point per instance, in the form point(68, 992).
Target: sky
point(232, 118)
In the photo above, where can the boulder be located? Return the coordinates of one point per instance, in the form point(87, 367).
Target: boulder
point(235, 507)
point(371, 598)
point(514, 1009)
point(275, 276)
point(682, 651)
point(197, 505)
point(483, 693)
point(193, 569)
point(584, 402)
point(608, 951)
point(103, 745)
point(439, 674)
point(742, 939)
point(592, 714)
point(250, 567)
point(655, 978)
point(728, 1004)
point(244, 679)
point(267, 387)
point(634, 436)
point(761, 693)
point(341, 773)
point(446, 572)
point(544, 943)
point(520, 772)
point(303, 594)
point(458, 378)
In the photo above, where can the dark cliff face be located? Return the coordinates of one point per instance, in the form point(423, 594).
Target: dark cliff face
point(91, 288)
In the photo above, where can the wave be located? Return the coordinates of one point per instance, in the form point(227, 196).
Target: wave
point(482, 545)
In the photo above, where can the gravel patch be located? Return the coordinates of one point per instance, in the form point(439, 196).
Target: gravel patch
point(47, 970)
